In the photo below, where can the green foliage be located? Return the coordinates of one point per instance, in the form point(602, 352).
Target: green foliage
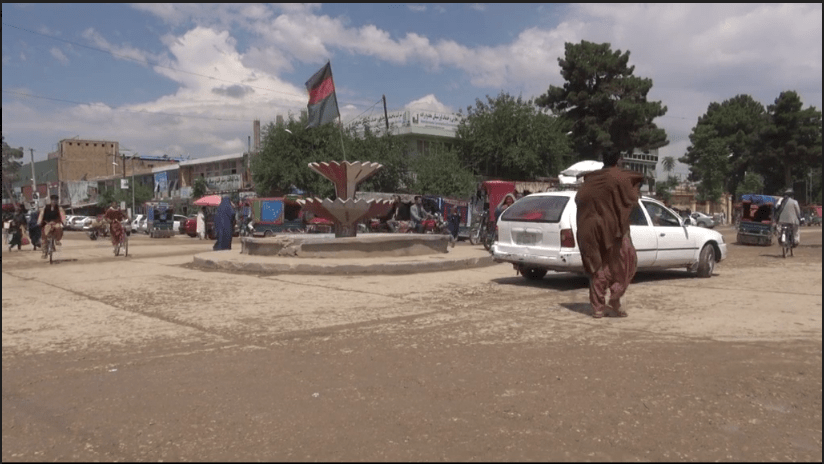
point(664, 189)
point(199, 187)
point(388, 150)
point(736, 124)
point(781, 143)
point(142, 194)
point(752, 183)
point(713, 164)
point(441, 172)
point(605, 106)
point(285, 156)
point(668, 163)
point(510, 138)
point(792, 142)
point(11, 167)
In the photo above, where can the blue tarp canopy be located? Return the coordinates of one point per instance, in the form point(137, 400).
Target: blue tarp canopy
point(758, 199)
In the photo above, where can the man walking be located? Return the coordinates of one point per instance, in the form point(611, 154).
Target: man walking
point(605, 201)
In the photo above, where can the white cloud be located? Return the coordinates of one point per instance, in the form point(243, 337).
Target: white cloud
point(478, 6)
point(428, 103)
point(417, 8)
point(59, 56)
point(126, 52)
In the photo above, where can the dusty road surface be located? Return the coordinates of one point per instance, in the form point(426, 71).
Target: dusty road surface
point(145, 358)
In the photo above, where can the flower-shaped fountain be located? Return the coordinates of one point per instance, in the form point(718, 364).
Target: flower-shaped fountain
point(345, 211)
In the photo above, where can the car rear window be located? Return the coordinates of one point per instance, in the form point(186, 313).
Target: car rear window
point(546, 208)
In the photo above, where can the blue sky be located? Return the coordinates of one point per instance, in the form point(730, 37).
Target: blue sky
point(189, 79)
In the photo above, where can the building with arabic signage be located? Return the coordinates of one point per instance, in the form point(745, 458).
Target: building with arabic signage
point(423, 130)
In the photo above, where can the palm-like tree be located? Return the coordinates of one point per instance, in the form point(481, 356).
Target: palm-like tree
point(668, 163)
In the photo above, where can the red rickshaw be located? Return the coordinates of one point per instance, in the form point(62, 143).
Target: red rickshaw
point(489, 194)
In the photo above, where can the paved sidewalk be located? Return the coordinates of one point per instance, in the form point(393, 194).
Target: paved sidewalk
point(462, 256)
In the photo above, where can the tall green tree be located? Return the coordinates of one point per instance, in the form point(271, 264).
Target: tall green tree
point(604, 104)
point(736, 124)
point(510, 138)
point(713, 163)
point(668, 163)
point(11, 167)
point(441, 172)
point(752, 183)
point(288, 148)
point(388, 150)
point(793, 142)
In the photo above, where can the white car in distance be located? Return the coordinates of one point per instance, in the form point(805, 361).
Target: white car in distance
point(538, 234)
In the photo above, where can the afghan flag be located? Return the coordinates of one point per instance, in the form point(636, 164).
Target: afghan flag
point(323, 104)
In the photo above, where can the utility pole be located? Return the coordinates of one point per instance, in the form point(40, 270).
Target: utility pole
point(385, 114)
point(33, 182)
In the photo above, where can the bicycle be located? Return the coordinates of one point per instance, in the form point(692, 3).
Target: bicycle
point(479, 232)
point(50, 244)
point(786, 238)
point(124, 242)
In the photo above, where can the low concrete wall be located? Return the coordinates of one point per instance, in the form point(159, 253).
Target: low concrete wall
point(363, 246)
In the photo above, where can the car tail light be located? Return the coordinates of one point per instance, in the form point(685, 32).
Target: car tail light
point(567, 239)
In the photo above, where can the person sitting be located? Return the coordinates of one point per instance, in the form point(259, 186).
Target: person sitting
point(505, 203)
point(418, 214)
point(51, 221)
point(18, 221)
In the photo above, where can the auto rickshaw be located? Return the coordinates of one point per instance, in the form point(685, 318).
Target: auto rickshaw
point(160, 220)
point(756, 221)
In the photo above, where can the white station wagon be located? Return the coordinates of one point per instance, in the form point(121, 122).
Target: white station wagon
point(538, 234)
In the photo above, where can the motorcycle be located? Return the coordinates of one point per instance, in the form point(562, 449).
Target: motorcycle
point(98, 229)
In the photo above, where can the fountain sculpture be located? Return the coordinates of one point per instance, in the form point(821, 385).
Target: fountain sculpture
point(345, 211)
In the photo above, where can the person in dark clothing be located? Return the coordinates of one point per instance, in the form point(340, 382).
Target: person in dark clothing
point(224, 225)
point(18, 221)
point(605, 202)
point(454, 224)
point(34, 228)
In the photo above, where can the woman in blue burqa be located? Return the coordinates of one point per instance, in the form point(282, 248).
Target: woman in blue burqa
point(224, 225)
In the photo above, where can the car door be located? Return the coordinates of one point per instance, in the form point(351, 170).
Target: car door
point(644, 238)
point(675, 246)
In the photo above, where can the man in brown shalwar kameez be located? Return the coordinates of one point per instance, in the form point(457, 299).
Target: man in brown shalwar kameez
point(605, 201)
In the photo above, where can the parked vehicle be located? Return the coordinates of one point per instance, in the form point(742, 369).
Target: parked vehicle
point(702, 220)
point(160, 221)
point(139, 223)
point(755, 224)
point(538, 234)
point(272, 216)
point(191, 227)
point(179, 223)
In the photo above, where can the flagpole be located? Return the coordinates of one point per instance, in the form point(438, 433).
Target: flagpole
point(340, 122)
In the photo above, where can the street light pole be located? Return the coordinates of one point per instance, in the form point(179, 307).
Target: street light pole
point(33, 182)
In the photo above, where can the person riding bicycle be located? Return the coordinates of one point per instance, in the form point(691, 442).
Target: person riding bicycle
point(788, 212)
point(114, 215)
point(51, 221)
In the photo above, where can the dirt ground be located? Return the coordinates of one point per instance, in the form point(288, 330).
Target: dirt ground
point(145, 358)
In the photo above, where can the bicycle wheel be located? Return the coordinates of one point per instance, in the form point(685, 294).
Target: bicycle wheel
point(51, 250)
point(117, 249)
point(126, 246)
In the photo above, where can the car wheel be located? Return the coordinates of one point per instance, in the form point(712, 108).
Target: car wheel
point(706, 261)
point(267, 233)
point(532, 273)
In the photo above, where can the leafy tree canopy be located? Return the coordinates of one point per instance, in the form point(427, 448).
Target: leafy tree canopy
point(510, 138)
point(605, 106)
point(11, 167)
point(792, 140)
point(288, 148)
point(736, 124)
point(441, 172)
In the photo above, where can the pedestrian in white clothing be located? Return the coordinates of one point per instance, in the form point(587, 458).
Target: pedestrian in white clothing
point(201, 223)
